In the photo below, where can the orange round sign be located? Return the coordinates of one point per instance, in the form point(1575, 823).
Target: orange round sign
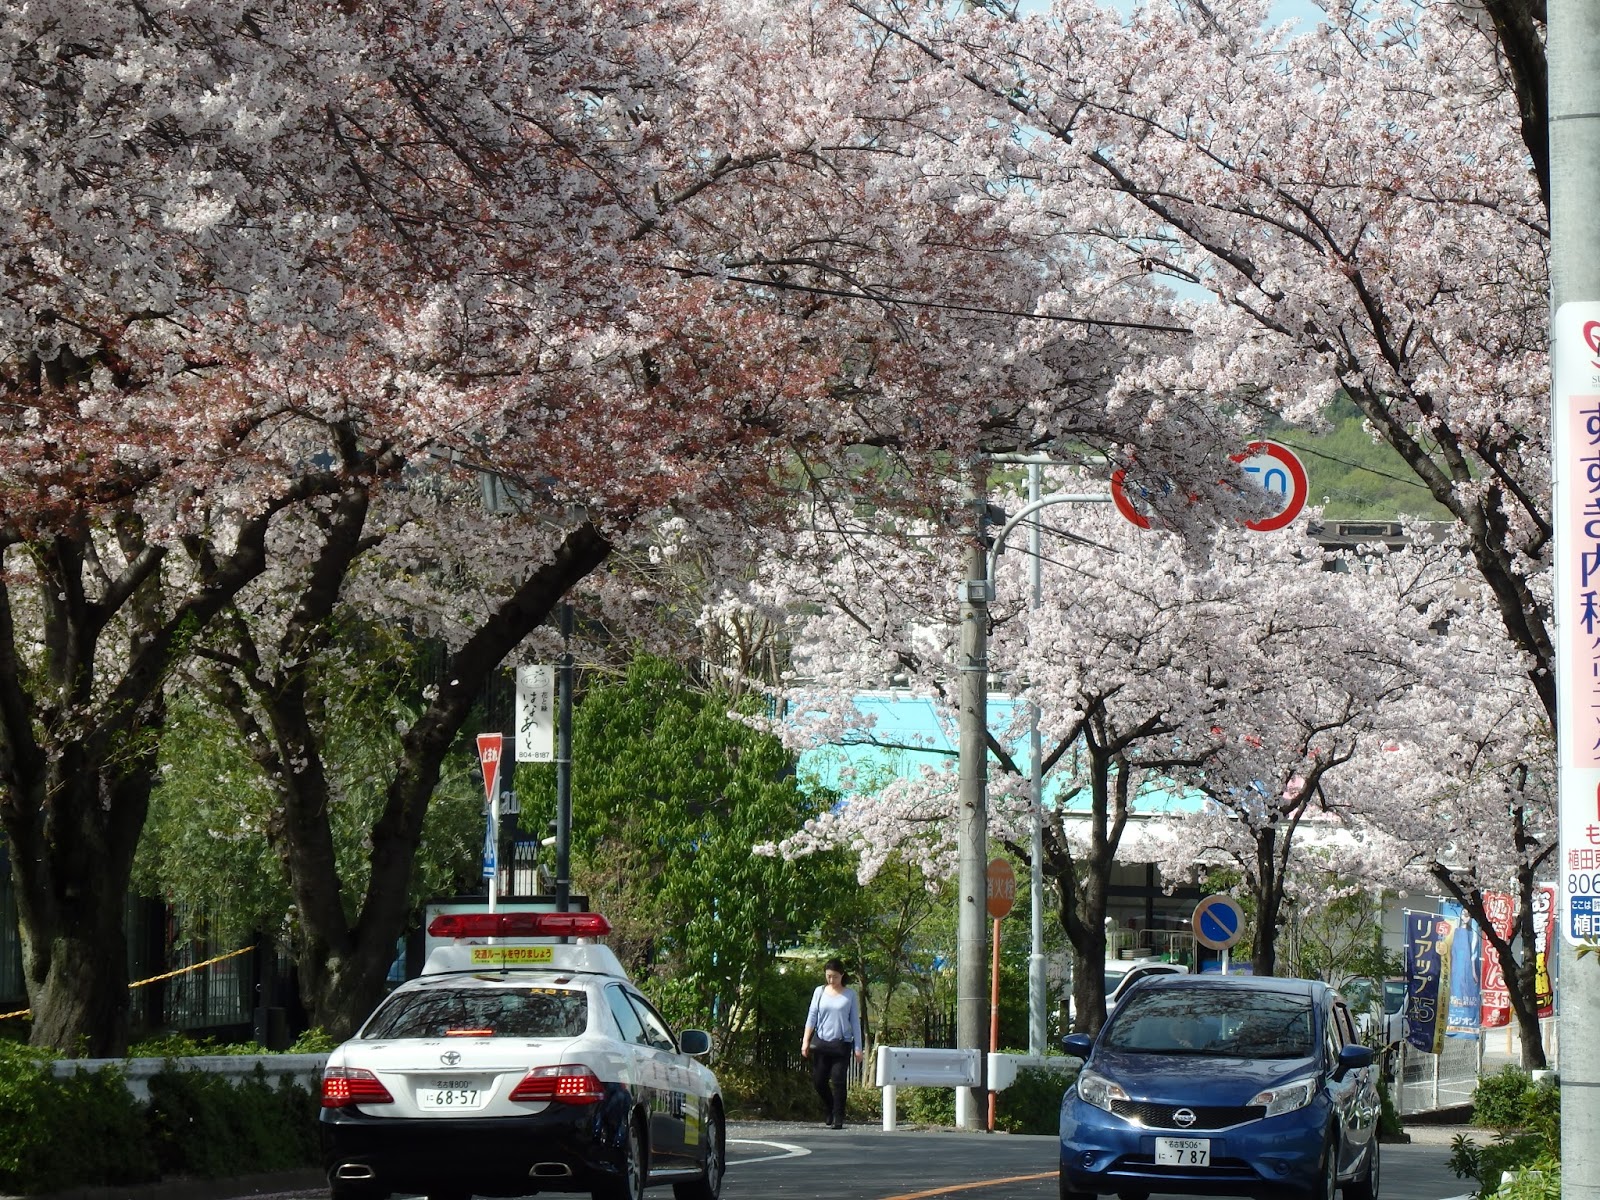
point(1002, 888)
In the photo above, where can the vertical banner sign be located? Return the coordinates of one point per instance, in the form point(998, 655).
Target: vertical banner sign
point(1466, 998)
point(1496, 1010)
point(489, 760)
point(1427, 985)
point(536, 726)
point(1575, 431)
point(1544, 929)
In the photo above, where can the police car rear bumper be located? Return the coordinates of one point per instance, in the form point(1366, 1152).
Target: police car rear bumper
point(564, 1148)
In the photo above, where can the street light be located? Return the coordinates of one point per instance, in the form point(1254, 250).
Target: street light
point(972, 717)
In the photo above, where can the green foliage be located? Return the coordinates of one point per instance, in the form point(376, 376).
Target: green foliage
point(1354, 477)
point(182, 1045)
point(1510, 1101)
point(755, 1093)
point(927, 1105)
point(83, 1130)
point(1032, 1104)
point(1389, 1124)
point(669, 795)
point(205, 1126)
point(314, 1041)
point(1541, 1180)
point(205, 845)
point(1527, 1120)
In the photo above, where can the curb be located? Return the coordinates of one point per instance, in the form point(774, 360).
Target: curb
point(195, 1189)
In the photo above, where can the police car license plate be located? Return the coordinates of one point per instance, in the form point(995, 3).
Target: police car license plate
point(1183, 1152)
point(452, 1094)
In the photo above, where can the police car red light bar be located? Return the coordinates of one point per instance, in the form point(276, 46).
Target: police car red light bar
point(518, 924)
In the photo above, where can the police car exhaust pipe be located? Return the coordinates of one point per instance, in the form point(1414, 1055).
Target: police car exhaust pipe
point(549, 1170)
point(353, 1171)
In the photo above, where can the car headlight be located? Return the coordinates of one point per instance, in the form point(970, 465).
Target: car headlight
point(1096, 1089)
point(1287, 1097)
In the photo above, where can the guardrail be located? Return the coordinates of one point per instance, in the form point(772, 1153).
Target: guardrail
point(304, 1069)
point(906, 1066)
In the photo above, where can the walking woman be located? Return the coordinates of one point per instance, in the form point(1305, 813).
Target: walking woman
point(833, 1034)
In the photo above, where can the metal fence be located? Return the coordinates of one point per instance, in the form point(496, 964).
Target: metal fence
point(1426, 1082)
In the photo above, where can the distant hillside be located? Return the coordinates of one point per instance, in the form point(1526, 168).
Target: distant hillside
point(1352, 476)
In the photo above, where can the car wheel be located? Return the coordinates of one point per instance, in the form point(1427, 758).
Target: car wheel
point(629, 1183)
point(709, 1185)
point(1327, 1185)
point(1068, 1193)
point(1366, 1185)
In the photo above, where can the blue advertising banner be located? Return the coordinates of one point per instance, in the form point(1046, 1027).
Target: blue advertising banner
point(1427, 979)
point(1466, 988)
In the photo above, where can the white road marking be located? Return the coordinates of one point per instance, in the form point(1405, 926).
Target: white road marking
point(786, 1150)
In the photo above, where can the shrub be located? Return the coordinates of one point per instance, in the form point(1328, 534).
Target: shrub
point(1527, 1121)
point(1032, 1104)
point(1497, 1100)
point(203, 1125)
point(83, 1130)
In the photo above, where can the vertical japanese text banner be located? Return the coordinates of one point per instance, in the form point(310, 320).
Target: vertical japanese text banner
point(536, 725)
point(1575, 469)
point(1427, 982)
point(1500, 908)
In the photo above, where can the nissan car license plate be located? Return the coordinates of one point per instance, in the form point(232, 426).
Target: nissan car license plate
point(451, 1094)
point(1183, 1152)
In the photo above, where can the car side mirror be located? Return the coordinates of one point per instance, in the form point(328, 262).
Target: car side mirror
point(1077, 1044)
point(1352, 1057)
point(694, 1042)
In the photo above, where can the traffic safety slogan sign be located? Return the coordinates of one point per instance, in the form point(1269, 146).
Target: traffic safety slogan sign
point(1575, 431)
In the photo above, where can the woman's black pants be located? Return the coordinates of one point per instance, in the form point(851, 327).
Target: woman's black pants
point(829, 1073)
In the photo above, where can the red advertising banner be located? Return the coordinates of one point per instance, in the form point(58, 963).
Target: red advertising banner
point(1501, 910)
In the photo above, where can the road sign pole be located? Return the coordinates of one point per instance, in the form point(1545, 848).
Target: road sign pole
point(994, 1011)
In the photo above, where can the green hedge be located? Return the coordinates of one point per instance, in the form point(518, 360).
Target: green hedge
point(88, 1130)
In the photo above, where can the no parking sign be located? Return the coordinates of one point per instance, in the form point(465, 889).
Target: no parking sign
point(1218, 922)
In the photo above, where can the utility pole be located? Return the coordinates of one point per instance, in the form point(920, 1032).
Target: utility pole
point(1036, 984)
point(1573, 41)
point(972, 836)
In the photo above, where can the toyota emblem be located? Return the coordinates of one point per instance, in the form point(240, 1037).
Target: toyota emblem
point(1183, 1118)
point(451, 1057)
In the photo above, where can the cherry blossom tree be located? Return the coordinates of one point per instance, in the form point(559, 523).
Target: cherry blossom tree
point(287, 283)
point(1249, 672)
point(1460, 792)
point(1359, 202)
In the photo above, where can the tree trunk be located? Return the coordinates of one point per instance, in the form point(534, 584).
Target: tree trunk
point(343, 964)
point(73, 860)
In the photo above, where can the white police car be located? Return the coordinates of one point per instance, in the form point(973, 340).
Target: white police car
point(516, 1065)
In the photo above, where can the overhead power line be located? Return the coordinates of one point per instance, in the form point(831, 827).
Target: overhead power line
point(951, 306)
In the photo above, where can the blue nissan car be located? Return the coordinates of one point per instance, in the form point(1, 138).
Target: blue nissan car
point(1223, 1085)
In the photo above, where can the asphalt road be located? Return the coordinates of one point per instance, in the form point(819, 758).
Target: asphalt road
point(793, 1162)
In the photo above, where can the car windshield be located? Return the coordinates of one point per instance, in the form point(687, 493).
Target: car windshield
point(1394, 995)
point(1224, 1022)
point(481, 1012)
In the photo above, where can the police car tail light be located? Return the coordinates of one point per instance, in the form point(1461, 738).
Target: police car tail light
point(345, 1086)
point(565, 1084)
point(519, 924)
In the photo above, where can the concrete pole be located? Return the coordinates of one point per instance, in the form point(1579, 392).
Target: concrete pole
point(1036, 987)
point(972, 836)
point(1573, 47)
